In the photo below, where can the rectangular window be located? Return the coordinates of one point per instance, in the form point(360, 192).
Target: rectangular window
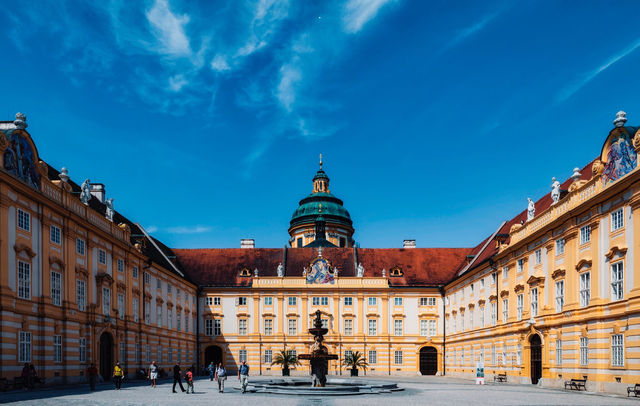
point(397, 327)
point(147, 313)
point(348, 327)
point(170, 355)
point(208, 327)
point(520, 305)
point(135, 304)
point(397, 357)
point(560, 246)
point(268, 327)
point(186, 324)
point(217, 301)
point(617, 350)
point(373, 327)
point(494, 278)
point(482, 316)
point(57, 348)
point(24, 280)
point(584, 351)
point(585, 289)
point(519, 354)
point(482, 283)
point(373, 301)
point(520, 265)
point(24, 220)
point(559, 296)
point(242, 301)
point(158, 283)
point(268, 301)
point(294, 353)
point(242, 327)
point(538, 256)
point(373, 357)
point(505, 272)
point(56, 288)
point(494, 313)
point(168, 288)
point(120, 265)
point(397, 301)
point(24, 347)
point(179, 353)
point(585, 234)
point(179, 322)
point(55, 234)
point(147, 278)
point(121, 306)
point(431, 301)
point(159, 316)
point(534, 302)
point(217, 327)
point(293, 327)
point(242, 356)
point(558, 352)
point(80, 246)
point(423, 301)
point(134, 272)
point(424, 328)
point(82, 350)
point(102, 256)
point(617, 274)
point(292, 301)
point(617, 219)
point(208, 301)
point(432, 328)
point(268, 357)
point(106, 301)
point(471, 288)
point(80, 295)
point(348, 301)
point(347, 354)
point(325, 323)
point(493, 355)
point(505, 310)
point(122, 352)
point(148, 353)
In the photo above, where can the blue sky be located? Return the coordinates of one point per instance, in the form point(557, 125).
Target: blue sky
point(205, 119)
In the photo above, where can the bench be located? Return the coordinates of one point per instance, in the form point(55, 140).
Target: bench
point(633, 389)
point(500, 377)
point(576, 384)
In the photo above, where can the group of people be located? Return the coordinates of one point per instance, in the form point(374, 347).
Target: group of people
point(219, 374)
point(29, 376)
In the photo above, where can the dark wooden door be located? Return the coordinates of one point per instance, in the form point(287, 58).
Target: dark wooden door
point(428, 361)
point(536, 358)
point(106, 356)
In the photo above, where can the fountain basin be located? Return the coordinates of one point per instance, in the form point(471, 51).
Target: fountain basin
point(334, 387)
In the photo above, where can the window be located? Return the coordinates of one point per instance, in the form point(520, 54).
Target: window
point(560, 246)
point(293, 327)
point(423, 301)
point(102, 256)
point(432, 301)
point(159, 316)
point(617, 350)
point(617, 281)
point(242, 301)
point(242, 327)
point(147, 312)
point(348, 301)
point(558, 352)
point(218, 300)
point(482, 283)
point(372, 301)
point(217, 327)
point(534, 302)
point(24, 280)
point(482, 316)
point(179, 322)
point(148, 353)
point(82, 350)
point(538, 256)
point(268, 327)
point(347, 354)
point(80, 246)
point(56, 288)
point(299, 242)
point(373, 327)
point(493, 355)
point(520, 265)
point(168, 288)
point(292, 301)
point(134, 272)
point(55, 234)
point(186, 324)
point(559, 295)
point(268, 357)
point(57, 348)
point(348, 327)
point(432, 328)
point(121, 306)
point(24, 220)
point(81, 294)
point(318, 301)
point(585, 234)
point(120, 265)
point(471, 288)
point(494, 313)
point(135, 304)
point(294, 353)
point(325, 323)
point(397, 327)
point(106, 301)
point(24, 347)
point(520, 305)
point(505, 310)
point(397, 357)
point(505, 272)
point(585, 289)
point(424, 328)
point(178, 293)
point(397, 301)
point(158, 284)
point(494, 278)
point(268, 301)
point(147, 278)
point(519, 354)
point(170, 355)
point(242, 356)
point(373, 357)
point(617, 219)
point(584, 351)
point(208, 301)
point(208, 327)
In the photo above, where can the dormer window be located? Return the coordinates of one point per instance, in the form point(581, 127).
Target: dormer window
point(245, 272)
point(396, 271)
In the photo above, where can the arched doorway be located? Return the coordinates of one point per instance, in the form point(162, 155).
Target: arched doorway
point(106, 355)
point(213, 353)
point(536, 358)
point(428, 361)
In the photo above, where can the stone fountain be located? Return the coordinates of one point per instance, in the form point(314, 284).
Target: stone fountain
point(319, 357)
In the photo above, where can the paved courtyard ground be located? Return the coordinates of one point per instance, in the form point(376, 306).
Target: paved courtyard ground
point(417, 391)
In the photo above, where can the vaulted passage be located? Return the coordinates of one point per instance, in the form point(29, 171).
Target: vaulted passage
point(428, 361)
point(536, 358)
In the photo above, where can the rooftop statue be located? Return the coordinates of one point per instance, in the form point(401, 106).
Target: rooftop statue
point(360, 270)
point(280, 270)
point(531, 209)
point(109, 211)
point(85, 193)
point(555, 190)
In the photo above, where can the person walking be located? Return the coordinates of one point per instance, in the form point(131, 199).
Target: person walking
point(153, 373)
point(243, 375)
point(189, 379)
point(117, 375)
point(212, 370)
point(176, 377)
point(26, 376)
point(92, 373)
point(221, 376)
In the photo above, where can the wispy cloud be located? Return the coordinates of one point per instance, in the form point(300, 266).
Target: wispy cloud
point(168, 29)
point(188, 229)
point(358, 12)
point(571, 89)
point(472, 29)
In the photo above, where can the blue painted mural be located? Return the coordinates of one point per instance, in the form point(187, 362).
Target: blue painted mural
point(621, 158)
point(320, 272)
point(20, 159)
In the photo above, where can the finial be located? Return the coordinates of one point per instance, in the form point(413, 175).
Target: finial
point(320, 208)
point(320, 161)
point(621, 118)
point(64, 174)
point(576, 174)
point(20, 122)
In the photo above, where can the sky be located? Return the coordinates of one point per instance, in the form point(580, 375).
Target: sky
point(436, 120)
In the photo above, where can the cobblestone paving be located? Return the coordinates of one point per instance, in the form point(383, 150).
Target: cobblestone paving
point(418, 391)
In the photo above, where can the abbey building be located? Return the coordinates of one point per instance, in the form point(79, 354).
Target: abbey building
point(550, 294)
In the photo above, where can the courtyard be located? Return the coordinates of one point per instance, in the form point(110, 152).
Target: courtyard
point(417, 391)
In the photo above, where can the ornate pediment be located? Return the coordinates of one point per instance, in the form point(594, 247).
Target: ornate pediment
point(504, 293)
point(583, 263)
point(558, 273)
point(104, 277)
point(518, 288)
point(24, 248)
point(481, 302)
point(493, 298)
point(535, 280)
point(82, 271)
point(616, 250)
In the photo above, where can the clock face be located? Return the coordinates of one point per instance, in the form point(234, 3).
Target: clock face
point(319, 271)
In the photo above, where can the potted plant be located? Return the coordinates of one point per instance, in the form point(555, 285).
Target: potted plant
point(354, 361)
point(285, 358)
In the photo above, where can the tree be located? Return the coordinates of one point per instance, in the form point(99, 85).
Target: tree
point(285, 358)
point(355, 360)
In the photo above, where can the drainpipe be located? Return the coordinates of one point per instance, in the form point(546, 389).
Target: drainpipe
point(444, 333)
point(198, 291)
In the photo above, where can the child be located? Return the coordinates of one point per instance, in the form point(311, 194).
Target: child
point(189, 379)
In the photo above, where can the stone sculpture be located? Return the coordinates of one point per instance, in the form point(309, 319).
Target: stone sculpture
point(531, 209)
point(85, 192)
point(255, 273)
point(280, 270)
point(109, 211)
point(360, 271)
point(555, 190)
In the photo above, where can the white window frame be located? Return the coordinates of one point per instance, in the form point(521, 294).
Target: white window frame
point(268, 301)
point(372, 325)
point(24, 346)
point(348, 327)
point(217, 301)
point(268, 357)
point(505, 272)
point(134, 272)
point(120, 299)
point(208, 301)
point(617, 281)
point(81, 247)
point(57, 348)
point(559, 295)
point(292, 325)
point(120, 265)
point(268, 327)
point(81, 294)
point(24, 220)
point(217, 327)
point(424, 328)
point(208, 327)
point(56, 288)
point(135, 304)
point(560, 246)
point(584, 351)
point(432, 328)
point(102, 256)
point(533, 293)
point(242, 327)
point(585, 289)
point(397, 357)
point(372, 301)
point(242, 301)
point(520, 265)
point(292, 301)
point(373, 357)
point(348, 301)
point(617, 219)
point(494, 310)
point(82, 350)
point(55, 234)
point(398, 327)
point(538, 256)
point(24, 280)
point(520, 305)
point(558, 352)
point(585, 234)
point(505, 310)
point(617, 350)
point(242, 356)
point(397, 301)
point(106, 301)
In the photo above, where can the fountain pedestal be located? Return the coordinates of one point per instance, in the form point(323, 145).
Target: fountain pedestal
point(319, 357)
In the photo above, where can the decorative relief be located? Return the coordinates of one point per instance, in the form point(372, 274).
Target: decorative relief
point(582, 264)
point(320, 271)
point(614, 250)
point(558, 273)
point(518, 288)
point(636, 141)
point(504, 293)
point(19, 158)
point(104, 277)
point(622, 157)
point(24, 248)
point(535, 281)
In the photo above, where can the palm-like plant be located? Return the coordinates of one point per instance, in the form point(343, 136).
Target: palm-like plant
point(355, 360)
point(285, 358)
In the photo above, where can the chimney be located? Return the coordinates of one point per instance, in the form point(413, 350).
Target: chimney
point(247, 243)
point(409, 244)
point(98, 191)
